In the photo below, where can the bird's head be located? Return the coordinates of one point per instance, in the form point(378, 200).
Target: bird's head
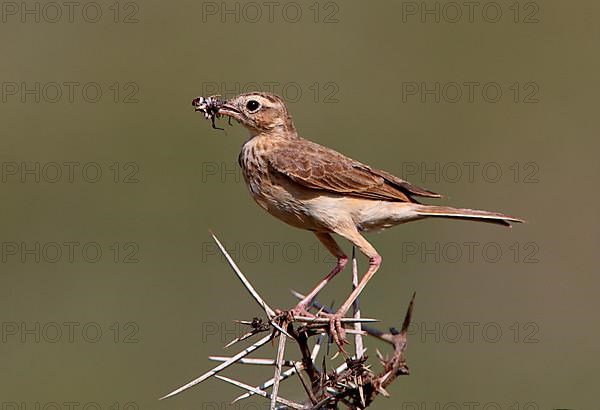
point(260, 113)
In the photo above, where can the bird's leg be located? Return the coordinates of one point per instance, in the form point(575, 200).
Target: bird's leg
point(335, 326)
point(304, 304)
point(328, 241)
point(339, 334)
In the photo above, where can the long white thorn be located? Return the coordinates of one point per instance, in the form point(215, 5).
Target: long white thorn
point(222, 366)
point(326, 320)
point(260, 392)
point(284, 375)
point(270, 312)
point(253, 361)
point(358, 339)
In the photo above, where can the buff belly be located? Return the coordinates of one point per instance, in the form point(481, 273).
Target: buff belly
point(313, 210)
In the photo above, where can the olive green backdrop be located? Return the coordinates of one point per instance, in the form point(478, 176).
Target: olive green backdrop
point(111, 292)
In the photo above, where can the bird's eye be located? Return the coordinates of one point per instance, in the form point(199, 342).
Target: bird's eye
point(252, 105)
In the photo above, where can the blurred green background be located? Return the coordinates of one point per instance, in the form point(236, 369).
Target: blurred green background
point(111, 292)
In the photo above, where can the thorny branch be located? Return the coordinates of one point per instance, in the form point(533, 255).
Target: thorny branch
point(353, 384)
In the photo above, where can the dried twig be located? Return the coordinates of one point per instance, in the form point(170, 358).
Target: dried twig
point(352, 383)
point(278, 363)
point(288, 373)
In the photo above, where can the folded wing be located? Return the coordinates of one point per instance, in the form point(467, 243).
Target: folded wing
point(317, 167)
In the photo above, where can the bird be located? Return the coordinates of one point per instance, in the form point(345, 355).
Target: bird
point(316, 188)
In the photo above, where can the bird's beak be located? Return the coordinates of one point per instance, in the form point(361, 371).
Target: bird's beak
point(230, 111)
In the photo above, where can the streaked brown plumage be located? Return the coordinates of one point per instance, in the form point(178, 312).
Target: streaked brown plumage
point(313, 187)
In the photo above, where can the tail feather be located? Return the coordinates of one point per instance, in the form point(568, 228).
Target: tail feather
point(470, 214)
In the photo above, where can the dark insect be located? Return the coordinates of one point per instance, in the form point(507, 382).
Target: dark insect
point(210, 108)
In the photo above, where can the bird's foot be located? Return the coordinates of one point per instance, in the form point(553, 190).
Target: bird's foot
point(336, 330)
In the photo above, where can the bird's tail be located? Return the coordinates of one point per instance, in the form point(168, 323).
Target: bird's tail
point(470, 214)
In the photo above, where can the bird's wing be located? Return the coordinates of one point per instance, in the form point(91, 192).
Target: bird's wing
point(317, 167)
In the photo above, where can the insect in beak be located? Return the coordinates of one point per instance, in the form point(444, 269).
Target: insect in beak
point(210, 108)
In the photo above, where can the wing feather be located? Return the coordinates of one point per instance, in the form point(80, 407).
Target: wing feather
point(317, 167)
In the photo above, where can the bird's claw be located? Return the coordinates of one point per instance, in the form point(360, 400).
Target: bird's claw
point(337, 332)
point(335, 328)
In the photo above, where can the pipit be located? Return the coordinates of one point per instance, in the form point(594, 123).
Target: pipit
point(313, 187)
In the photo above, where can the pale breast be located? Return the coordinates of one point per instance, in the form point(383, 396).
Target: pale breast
point(254, 165)
point(274, 192)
